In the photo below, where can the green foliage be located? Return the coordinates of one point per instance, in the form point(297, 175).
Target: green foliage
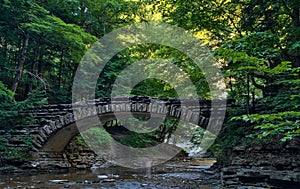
point(279, 115)
point(80, 141)
point(234, 132)
point(198, 135)
point(10, 110)
point(27, 140)
point(262, 45)
point(3, 147)
point(286, 124)
point(136, 140)
point(5, 94)
point(97, 138)
point(6, 113)
point(152, 86)
point(53, 51)
point(19, 154)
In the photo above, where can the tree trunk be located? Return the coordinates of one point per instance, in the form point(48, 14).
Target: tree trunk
point(40, 70)
point(248, 94)
point(21, 61)
point(60, 68)
point(296, 23)
point(29, 85)
point(296, 16)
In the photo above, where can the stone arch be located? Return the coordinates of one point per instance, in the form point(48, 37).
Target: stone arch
point(57, 122)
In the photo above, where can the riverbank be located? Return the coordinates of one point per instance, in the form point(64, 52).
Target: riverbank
point(184, 173)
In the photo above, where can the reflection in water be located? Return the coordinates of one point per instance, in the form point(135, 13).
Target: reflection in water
point(172, 175)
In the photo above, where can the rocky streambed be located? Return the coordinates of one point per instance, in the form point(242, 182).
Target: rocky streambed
point(175, 174)
point(178, 173)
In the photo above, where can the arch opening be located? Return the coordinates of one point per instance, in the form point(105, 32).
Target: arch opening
point(165, 133)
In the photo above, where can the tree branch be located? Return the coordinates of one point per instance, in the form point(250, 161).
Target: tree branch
point(256, 84)
point(32, 74)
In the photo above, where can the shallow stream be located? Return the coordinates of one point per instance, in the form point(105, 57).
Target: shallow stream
point(179, 174)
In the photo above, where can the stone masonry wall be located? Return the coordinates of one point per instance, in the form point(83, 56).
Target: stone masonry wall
point(273, 165)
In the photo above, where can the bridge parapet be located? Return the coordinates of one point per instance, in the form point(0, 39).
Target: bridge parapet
point(54, 118)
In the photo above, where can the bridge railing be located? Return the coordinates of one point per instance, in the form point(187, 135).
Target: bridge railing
point(50, 118)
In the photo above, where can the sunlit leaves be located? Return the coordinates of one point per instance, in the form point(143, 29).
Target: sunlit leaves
point(283, 124)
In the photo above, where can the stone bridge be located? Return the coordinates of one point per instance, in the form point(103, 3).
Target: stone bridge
point(55, 125)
